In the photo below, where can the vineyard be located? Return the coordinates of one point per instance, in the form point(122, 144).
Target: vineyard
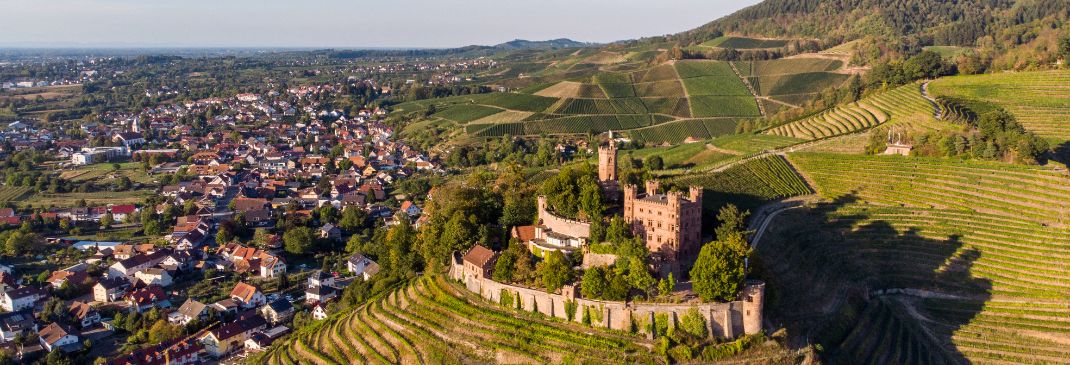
point(467, 113)
point(1013, 191)
point(430, 321)
point(12, 193)
point(748, 184)
point(1002, 282)
point(635, 99)
point(680, 131)
point(753, 143)
point(901, 104)
point(744, 43)
point(1039, 100)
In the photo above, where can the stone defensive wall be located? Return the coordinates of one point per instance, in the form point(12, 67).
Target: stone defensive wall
point(723, 320)
point(562, 225)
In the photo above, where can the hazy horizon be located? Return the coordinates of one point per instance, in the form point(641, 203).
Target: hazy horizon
point(342, 24)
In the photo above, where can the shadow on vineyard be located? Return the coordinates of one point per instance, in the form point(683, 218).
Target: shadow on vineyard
point(858, 287)
point(1061, 153)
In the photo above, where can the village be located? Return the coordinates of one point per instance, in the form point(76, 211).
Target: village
point(213, 276)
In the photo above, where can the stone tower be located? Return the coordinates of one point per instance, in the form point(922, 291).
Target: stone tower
point(753, 297)
point(607, 162)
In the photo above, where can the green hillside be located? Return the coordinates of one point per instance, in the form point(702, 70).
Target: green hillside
point(1040, 101)
point(904, 105)
point(670, 102)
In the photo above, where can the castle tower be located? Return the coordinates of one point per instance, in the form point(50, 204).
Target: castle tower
point(753, 297)
point(607, 162)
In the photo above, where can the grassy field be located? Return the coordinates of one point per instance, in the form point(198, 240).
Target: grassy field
point(104, 173)
point(1039, 100)
point(753, 143)
point(96, 198)
point(467, 113)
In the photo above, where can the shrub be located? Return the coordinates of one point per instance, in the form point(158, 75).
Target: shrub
point(694, 323)
point(680, 353)
point(570, 310)
point(506, 299)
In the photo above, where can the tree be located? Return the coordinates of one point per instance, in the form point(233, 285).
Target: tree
point(638, 275)
point(925, 65)
point(667, 285)
point(654, 163)
point(328, 214)
point(732, 221)
point(107, 220)
point(720, 268)
point(1064, 48)
point(594, 283)
point(298, 240)
point(505, 266)
point(555, 271)
point(352, 218)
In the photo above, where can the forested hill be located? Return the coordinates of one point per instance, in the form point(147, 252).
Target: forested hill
point(907, 25)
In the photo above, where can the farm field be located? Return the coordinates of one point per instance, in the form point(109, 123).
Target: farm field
point(693, 94)
point(1039, 100)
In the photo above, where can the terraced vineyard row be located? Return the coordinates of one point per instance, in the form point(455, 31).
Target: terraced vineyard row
point(839, 120)
point(1015, 191)
point(430, 321)
point(903, 102)
point(1039, 100)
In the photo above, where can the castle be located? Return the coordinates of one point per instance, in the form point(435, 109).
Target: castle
point(669, 223)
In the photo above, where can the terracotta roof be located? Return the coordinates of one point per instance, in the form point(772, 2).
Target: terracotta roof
point(524, 233)
point(54, 332)
point(80, 309)
point(480, 256)
point(244, 291)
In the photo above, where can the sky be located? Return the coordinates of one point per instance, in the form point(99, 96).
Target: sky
point(342, 23)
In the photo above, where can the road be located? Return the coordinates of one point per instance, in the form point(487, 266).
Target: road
point(765, 215)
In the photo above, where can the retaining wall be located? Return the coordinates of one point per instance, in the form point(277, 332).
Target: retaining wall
point(723, 320)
